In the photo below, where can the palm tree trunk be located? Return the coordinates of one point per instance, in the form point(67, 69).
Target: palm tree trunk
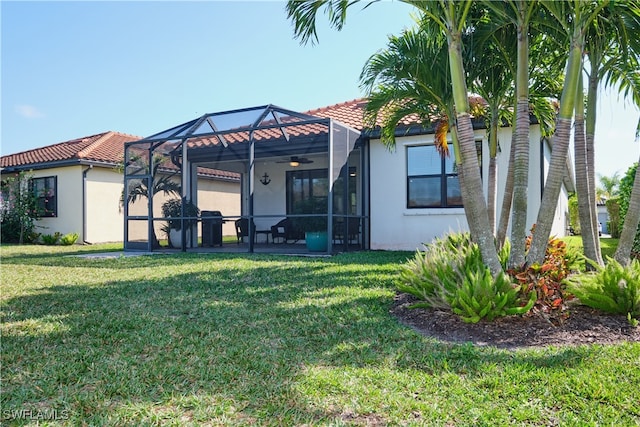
point(582, 181)
point(507, 198)
point(475, 206)
point(521, 152)
point(492, 180)
point(520, 185)
point(590, 130)
point(631, 221)
point(559, 151)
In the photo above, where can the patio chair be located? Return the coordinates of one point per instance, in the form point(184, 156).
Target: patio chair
point(242, 229)
point(282, 230)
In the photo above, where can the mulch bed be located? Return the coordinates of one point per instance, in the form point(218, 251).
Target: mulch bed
point(579, 325)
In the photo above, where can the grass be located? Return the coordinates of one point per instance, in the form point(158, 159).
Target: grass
point(194, 339)
point(608, 245)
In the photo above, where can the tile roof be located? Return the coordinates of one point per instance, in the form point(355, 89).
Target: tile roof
point(350, 113)
point(106, 147)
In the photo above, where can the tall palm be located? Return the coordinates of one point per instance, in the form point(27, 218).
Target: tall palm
point(410, 77)
point(162, 182)
point(491, 72)
point(574, 17)
point(519, 14)
point(450, 17)
point(545, 85)
point(631, 221)
point(608, 187)
point(610, 43)
point(587, 216)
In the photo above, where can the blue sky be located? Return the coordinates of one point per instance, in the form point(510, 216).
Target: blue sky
point(72, 69)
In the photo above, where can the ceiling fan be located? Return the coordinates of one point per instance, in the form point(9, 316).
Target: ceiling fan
point(295, 161)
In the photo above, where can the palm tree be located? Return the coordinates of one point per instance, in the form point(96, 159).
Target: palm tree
point(631, 221)
point(608, 187)
point(545, 77)
point(610, 44)
point(450, 17)
point(587, 216)
point(410, 78)
point(162, 182)
point(491, 73)
point(574, 17)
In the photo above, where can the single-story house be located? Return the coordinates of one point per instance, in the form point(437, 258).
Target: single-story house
point(291, 163)
point(83, 182)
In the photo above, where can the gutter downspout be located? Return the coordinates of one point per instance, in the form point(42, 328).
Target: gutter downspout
point(84, 204)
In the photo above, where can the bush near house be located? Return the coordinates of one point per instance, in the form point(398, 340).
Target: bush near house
point(450, 274)
point(626, 186)
point(614, 225)
point(18, 210)
point(613, 288)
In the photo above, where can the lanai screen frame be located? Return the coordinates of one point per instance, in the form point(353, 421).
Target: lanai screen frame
point(175, 143)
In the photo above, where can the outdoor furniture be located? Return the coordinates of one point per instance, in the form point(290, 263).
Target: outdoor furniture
point(282, 230)
point(350, 232)
point(266, 233)
point(242, 229)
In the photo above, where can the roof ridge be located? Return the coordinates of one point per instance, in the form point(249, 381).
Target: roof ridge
point(89, 148)
point(56, 144)
point(339, 104)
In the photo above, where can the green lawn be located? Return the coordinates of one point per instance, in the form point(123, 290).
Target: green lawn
point(193, 339)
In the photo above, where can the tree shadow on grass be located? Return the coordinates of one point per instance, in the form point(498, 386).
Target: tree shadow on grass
point(227, 343)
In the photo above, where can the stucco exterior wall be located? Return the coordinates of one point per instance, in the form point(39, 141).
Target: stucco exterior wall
point(220, 196)
point(104, 215)
point(69, 201)
point(395, 227)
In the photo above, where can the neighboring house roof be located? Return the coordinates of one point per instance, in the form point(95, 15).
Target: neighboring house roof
point(105, 149)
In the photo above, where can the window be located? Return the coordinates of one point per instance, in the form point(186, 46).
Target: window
point(46, 191)
point(432, 180)
point(308, 190)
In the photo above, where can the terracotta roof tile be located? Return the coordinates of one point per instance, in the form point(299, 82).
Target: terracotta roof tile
point(350, 113)
point(107, 147)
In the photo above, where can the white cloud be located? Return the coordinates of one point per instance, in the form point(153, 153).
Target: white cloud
point(28, 111)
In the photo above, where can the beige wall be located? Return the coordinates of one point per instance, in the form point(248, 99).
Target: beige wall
point(220, 196)
point(213, 195)
point(69, 201)
point(105, 216)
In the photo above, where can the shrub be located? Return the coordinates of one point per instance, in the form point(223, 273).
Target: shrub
point(574, 217)
point(626, 187)
point(480, 295)
point(613, 288)
point(450, 274)
point(18, 210)
point(547, 279)
point(172, 208)
point(613, 210)
point(51, 239)
point(69, 239)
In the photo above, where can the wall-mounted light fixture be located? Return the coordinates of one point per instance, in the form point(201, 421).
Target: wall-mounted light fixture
point(265, 179)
